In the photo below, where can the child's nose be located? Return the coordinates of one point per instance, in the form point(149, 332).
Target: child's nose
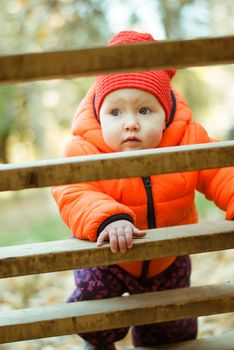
point(131, 124)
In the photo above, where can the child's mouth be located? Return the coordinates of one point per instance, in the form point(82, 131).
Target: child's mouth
point(131, 139)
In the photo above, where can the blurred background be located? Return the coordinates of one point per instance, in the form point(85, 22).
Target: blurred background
point(35, 119)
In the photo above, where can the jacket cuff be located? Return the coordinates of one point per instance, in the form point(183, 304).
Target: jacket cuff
point(112, 219)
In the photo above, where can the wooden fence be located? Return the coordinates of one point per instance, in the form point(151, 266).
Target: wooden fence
point(38, 258)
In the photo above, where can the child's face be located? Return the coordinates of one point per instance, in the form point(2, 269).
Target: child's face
point(131, 119)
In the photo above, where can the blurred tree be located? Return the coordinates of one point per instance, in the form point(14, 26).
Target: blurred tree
point(29, 26)
point(39, 25)
point(172, 17)
point(181, 19)
point(189, 19)
point(6, 120)
point(221, 16)
point(29, 111)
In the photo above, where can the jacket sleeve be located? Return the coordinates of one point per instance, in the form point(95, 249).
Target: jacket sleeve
point(216, 184)
point(85, 207)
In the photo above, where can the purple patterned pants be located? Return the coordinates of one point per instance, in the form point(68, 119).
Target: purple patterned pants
point(111, 281)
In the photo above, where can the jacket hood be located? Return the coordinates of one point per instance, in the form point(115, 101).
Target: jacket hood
point(86, 125)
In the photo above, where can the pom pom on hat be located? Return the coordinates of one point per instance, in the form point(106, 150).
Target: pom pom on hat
point(157, 82)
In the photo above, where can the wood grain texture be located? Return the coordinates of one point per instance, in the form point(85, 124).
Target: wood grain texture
point(129, 57)
point(116, 165)
point(71, 254)
point(117, 312)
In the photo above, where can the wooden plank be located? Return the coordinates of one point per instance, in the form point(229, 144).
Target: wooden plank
point(71, 254)
point(117, 312)
point(134, 57)
point(223, 342)
point(116, 165)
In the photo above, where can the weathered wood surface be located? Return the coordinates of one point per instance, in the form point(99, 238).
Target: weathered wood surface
point(71, 254)
point(133, 57)
point(116, 165)
point(223, 342)
point(117, 312)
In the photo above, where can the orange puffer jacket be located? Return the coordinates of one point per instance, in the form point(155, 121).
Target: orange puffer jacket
point(87, 207)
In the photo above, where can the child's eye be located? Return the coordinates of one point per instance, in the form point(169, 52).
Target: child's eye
point(115, 112)
point(144, 110)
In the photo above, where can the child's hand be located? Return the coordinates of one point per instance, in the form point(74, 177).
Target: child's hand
point(120, 234)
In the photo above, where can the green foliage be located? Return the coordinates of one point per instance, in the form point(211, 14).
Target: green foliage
point(51, 25)
point(207, 210)
point(6, 120)
point(33, 116)
point(196, 92)
point(48, 229)
point(30, 112)
point(50, 226)
point(29, 26)
point(5, 111)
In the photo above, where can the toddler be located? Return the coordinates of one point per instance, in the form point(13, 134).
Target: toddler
point(127, 112)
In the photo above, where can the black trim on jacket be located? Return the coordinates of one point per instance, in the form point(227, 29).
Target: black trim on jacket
point(173, 108)
point(112, 219)
point(151, 220)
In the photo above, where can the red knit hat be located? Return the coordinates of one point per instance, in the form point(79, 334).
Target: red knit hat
point(157, 82)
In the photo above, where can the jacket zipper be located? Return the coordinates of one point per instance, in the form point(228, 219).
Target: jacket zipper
point(151, 219)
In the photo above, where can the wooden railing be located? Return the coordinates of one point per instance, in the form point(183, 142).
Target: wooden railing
point(128, 57)
point(38, 258)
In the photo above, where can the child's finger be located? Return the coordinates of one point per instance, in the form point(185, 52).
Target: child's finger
point(113, 241)
point(121, 240)
point(138, 233)
point(128, 237)
point(102, 237)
